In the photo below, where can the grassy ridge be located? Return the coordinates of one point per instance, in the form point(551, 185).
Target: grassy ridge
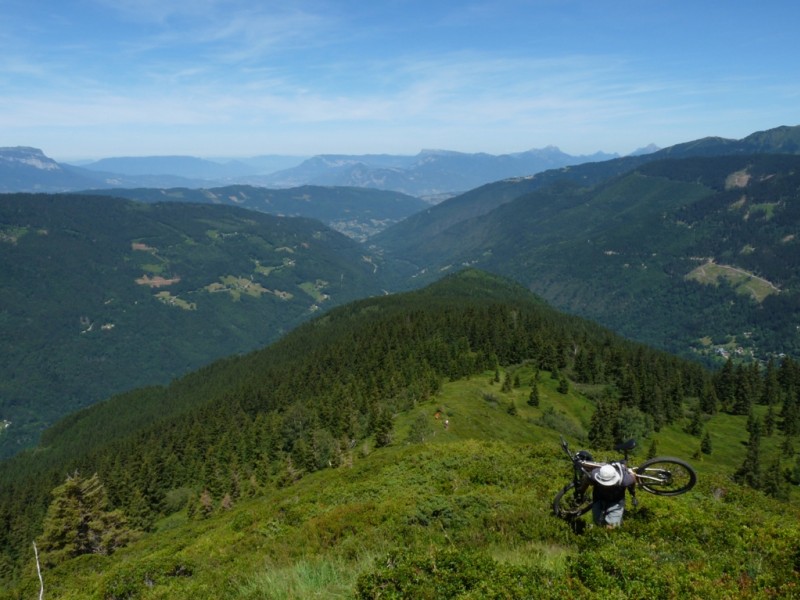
point(462, 511)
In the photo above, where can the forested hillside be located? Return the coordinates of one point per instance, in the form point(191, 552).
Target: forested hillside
point(356, 212)
point(698, 256)
point(317, 450)
point(101, 295)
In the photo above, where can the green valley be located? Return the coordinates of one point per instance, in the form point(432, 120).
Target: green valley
point(101, 295)
point(638, 252)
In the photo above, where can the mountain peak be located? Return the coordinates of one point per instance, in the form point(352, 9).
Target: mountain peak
point(32, 157)
point(649, 149)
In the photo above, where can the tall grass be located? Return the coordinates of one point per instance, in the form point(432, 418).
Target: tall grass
point(305, 579)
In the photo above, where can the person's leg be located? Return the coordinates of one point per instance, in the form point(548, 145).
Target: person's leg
point(598, 512)
point(613, 513)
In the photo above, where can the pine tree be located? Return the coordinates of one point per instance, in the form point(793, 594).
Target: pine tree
point(652, 451)
point(771, 392)
point(790, 415)
point(604, 422)
point(774, 483)
point(705, 444)
point(708, 399)
point(696, 424)
point(79, 521)
point(205, 504)
point(563, 385)
point(725, 385)
point(750, 472)
point(745, 390)
point(794, 472)
point(770, 419)
point(533, 399)
point(383, 428)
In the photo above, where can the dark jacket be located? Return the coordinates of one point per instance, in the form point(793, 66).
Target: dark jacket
point(612, 493)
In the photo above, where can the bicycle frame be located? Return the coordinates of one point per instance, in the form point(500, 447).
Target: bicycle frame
point(662, 476)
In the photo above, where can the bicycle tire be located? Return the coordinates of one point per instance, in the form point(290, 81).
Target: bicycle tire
point(566, 506)
point(666, 476)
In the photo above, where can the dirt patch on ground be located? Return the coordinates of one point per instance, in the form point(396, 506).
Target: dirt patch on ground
point(141, 247)
point(157, 281)
point(739, 179)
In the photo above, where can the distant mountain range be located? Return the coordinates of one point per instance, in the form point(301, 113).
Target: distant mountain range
point(693, 248)
point(430, 174)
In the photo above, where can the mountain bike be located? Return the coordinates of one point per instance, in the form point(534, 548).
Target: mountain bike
point(662, 476)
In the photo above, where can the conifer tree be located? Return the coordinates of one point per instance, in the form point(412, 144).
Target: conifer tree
point(705, 444)
point(79, 521)
point(790, 416)
point(604, 422)
point(771, 391)
point(750, 472)
point(744, 391)
point(794, 472)
point(725, 385)
point(383, 428)
point(708, 399)
point(773, 482)
point(769, 421)
point(563, 385)
point(652, 450)
point(696, 424)
point(533, 399)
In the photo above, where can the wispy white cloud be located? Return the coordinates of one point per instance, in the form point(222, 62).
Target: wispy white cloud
point(415, 72)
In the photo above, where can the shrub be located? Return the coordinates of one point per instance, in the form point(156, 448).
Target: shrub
point(449, 573)
point(129, 580)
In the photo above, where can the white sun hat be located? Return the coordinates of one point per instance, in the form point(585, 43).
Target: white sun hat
point(607, 475)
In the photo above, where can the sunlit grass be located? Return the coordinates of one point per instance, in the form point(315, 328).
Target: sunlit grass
point(306, 579)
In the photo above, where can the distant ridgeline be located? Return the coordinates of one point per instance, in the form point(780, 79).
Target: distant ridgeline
point(356, 212)
point(693, 249)
point(355, 393)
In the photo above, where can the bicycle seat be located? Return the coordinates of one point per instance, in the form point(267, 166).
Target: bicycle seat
point(627, 445)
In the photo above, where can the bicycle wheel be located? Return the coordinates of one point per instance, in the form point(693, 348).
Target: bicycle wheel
point(569, 506)
point(666, 476)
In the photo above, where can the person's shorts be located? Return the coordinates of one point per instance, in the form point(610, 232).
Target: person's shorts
point(608, 513)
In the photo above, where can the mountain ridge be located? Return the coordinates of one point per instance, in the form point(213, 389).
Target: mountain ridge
point(525, 228)
point(356, 212)
point(430, 173)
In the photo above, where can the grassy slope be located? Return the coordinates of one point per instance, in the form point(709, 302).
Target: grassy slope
point(485, 483)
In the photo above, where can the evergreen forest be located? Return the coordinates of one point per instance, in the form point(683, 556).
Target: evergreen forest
point(101, 295)
point(407, 447)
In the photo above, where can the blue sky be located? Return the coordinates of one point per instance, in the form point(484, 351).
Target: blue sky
point(214, 78)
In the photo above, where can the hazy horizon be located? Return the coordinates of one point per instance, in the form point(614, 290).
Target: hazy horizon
point(238, 78)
